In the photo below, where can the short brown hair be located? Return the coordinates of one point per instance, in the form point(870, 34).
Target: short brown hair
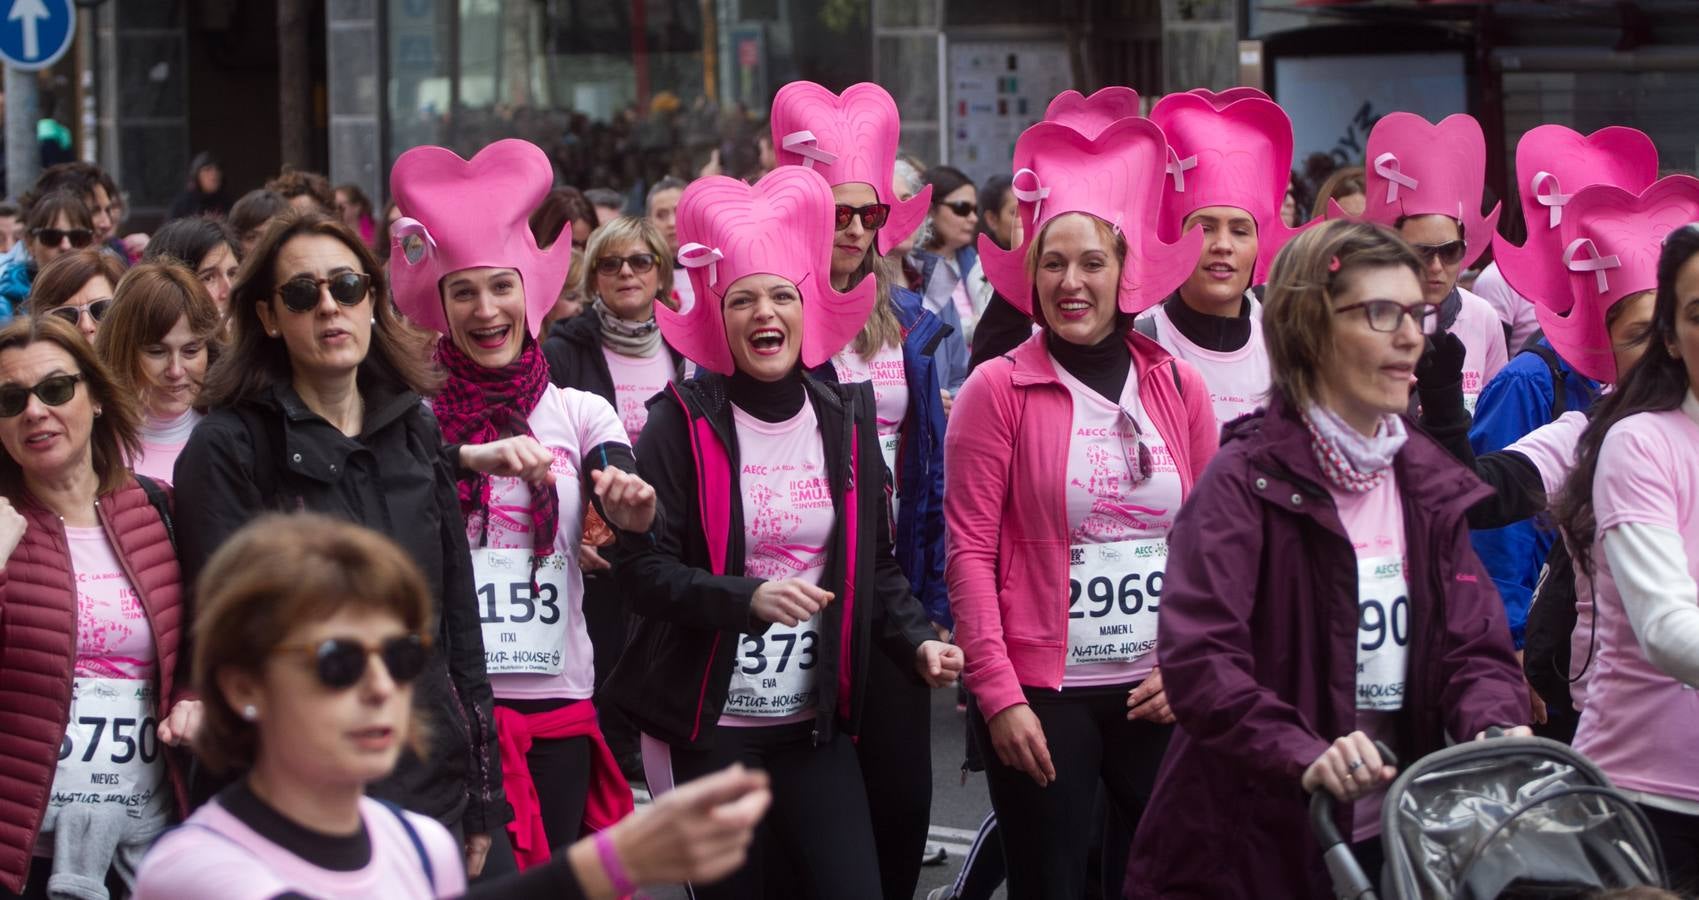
point(149, 301)
point(292, 182)
point(114, 438)
point(44, 211)
point(620, 231)
point(273, 575)
point(61, 279)
point(1297, 312)
point(1344, 182)
point(563, 207)
point(399, 353)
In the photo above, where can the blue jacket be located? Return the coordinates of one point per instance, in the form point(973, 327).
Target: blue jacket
point(16, 277)
point(1517, 401)
point(951, 354)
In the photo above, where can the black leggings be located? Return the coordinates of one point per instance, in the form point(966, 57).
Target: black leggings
point(1678, 835)
point(561, 770)
point(895, 751)
point(1047, 830)
point(816, 841)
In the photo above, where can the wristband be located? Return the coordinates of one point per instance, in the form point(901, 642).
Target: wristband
point(617, 875)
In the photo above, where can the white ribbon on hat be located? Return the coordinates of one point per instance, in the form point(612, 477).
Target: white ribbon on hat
point(807, 146)
point(695, 256)
point(406, 227)
point(1177, 167)
point(1596, 264)
point(1555, 200)
point(1034, 195)
point(1387, 166)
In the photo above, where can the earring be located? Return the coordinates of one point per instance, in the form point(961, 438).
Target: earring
point(97, 412)
point(250, 713)
point(272, 332)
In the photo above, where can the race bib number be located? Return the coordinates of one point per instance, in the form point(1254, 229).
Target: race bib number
point(774, 675)
point(1383, 633)
point(1113, 596)
point(524, 625)
point(110, 754)
point(1469, 401)
point(888, 447)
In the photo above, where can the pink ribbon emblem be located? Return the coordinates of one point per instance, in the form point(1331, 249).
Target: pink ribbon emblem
point(1595, 263)
point(1034, 195)
point(1177, 167)
point(696, 256)
point(807, 146)
point(413, 238)
point(1387, 166)
point(1554, 200)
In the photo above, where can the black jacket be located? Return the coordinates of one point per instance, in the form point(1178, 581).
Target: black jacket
point(673, 678)
point(574, 351)
point(275, 454)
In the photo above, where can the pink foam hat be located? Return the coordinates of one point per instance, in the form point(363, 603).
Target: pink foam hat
point(467, 214)
point(1116, 176)
point(1611, 239)
point(1552, 164)
point(1417, 168)
point(1090, 115)
point(847, 138)
point(781, 225)
point(1231, 95)
point(1236, 154)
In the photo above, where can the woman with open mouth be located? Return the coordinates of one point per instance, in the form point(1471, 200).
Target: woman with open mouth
point(851, 140)
point(771, 580)
point(1087, 438)
point(465, 264)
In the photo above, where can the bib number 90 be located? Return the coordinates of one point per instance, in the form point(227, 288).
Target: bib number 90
point(1377, 622)
point(1133, 594)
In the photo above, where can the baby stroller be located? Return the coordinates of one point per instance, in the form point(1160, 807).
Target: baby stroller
point(1507, 817)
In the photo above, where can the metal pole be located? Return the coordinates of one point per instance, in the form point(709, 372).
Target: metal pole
point(23, 156)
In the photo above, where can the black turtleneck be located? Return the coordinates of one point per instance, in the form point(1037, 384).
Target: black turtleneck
point(1222, 334)
point(335, 853)
point(1102, 366)
point(769, 401)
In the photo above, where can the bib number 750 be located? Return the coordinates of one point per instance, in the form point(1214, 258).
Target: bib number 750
point(127, 739)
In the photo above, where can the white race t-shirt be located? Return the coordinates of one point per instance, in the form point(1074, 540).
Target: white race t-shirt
point(1478, 327)
point(637, 379)
point(1513, 309)
point(890, 392)
point(162, 441)
point(788, 521)
point(1237, 380)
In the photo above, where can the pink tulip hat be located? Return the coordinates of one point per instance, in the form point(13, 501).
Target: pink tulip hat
point(781, 225)
point(1116, 176)
point(847, 138)
point(1238, 154)
point(466, 214)
point(1232, 95)
point(1553, 163)
point(1610, 243)
point(1090, 115)
point(1417, 168)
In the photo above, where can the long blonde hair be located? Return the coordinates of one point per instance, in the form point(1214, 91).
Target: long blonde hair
point(882, 329)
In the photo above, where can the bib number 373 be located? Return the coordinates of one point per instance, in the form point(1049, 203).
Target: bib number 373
point(774, 675)
point(524, 624)
point(1383, 633)
point(1114, 595)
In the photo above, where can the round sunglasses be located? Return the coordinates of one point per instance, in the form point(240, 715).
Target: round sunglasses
point(340, 663)
point(640, 263)
point(54, 390)
point(96, 310)
point(873, 215)
point(301, 294)
point(52, 237)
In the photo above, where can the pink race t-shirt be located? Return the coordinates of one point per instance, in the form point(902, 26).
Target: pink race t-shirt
point(113, 637)
point(1640, 725)
point(1482, 334)
point(1117, 533)
point(570, 423)
point(214, 854)
point(637, 379)
point(890, 392)
point(788, 521)
point(1237, 379)
point(1512, 308)
point(1374, 521)
point(162, 441)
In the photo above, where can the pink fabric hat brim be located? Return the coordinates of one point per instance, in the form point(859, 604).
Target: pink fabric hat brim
point(782, 225)
point(1090, 115)
point(1236, 153)
point(1116, 176)
point(472, 214)
point(848, 138)
point(1612, 239)
point(1553, 163)
point(1417, 168)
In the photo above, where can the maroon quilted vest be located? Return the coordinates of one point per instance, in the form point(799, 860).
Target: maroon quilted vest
point(38, 648)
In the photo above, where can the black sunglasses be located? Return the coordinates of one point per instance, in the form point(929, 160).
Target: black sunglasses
point(302, 294)
point(96, 311)
point(610, 265)
point(340, 663)
point(873, 215)
point(54, 390)
point(963, 208)
point(1450, 252)
point(51, 237)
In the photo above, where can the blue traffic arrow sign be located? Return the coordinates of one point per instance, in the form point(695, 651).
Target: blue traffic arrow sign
point(36, 33)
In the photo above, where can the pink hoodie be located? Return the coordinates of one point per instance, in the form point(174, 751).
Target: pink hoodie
point(1005, 470)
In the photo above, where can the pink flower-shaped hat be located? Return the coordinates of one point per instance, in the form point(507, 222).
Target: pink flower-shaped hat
point(1553, 163)
point(1610, 243)
point(467, 214)
point(1116, 176)
point(1236, 153)
point(1231, 95)
point(848, 138)
point(1417, 168)
point(781, 225)
point(1090, 115)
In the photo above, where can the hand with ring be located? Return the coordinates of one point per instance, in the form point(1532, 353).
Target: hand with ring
point(1350, 768)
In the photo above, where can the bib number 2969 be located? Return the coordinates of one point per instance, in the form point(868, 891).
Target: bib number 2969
point(1134, 594)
